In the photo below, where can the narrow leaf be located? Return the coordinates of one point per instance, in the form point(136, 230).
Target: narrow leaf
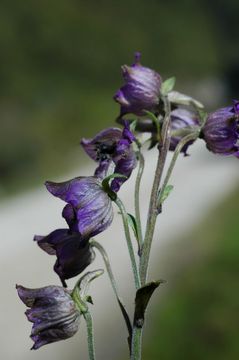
point(89, 299)
point(168, 85)
point(166, 192)
point(154, 119)
point(84, 282)
point(80, 291)
point(202, 116)
point(142, 298)
point(106, 185)
point(132, 223)
point(133, 125)
point(182, 99)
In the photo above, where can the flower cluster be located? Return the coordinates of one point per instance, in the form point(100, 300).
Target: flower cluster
point(88, 211)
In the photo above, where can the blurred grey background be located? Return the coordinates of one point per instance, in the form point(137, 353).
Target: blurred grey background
point(59, 68)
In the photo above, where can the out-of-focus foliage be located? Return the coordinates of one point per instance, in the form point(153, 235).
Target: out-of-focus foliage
point(198, 318)
point(60, 65)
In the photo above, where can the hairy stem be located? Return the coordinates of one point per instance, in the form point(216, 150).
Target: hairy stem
point(129, 242)
point(90, 335)
point(136, 199)
point(153, 206)
point(136, 347)
point(105, 257)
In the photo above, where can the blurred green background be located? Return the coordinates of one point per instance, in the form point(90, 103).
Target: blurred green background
point(198, 318)
point(59, 68)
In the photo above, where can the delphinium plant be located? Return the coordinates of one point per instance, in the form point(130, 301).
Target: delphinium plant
point(152, 114)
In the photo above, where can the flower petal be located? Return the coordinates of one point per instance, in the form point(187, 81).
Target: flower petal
point(53, 313)
point(73, 252)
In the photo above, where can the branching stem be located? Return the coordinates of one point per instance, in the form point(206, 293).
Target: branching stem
point(153, 208)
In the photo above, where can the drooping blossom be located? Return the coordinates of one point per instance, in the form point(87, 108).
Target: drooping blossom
point(109, 147)
point(221, 131)
point(53, 313)
point(141, 90)
point(89, 209)
point(73, 252)
point(181, 119)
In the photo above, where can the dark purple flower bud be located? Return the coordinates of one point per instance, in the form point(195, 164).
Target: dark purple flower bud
point(112, 148)
point(141, 91)
point(181, 119)
point(90, 209)
point(221, 131)
point(73, 252)
point(53, 313)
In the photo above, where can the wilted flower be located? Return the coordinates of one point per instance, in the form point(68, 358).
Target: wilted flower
point(89, 210)
point(112, 146)
point(73, 252)
point(181, 119)
point(53, 313)
point(221, 131)
point(141, 91)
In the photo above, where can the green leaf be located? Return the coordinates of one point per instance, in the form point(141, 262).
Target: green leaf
point(166, 192)
point(132, 223)
point(154, 119)
point(168, 85)
point(142, 298)
point(89, 299)
point(183, 99)
point(80, 291)
point(106, 185)
point(202, 117)
point(133, 125)
point(84, 282)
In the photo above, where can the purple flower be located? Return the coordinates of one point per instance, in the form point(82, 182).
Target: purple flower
point(73, 252)
point(112, 146)
point(53, 313)
point(180, 120)
point(89, 210)
point(141, 91)
point(221, 131)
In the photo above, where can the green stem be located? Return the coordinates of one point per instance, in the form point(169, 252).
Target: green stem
point(181, 144)
point(105, 257)
point(136, 349)
point(90, 335)
point(136, 199)
point(129, 242)
point(153, 206)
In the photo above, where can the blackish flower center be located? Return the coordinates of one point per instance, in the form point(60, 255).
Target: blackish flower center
point(104, 151)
